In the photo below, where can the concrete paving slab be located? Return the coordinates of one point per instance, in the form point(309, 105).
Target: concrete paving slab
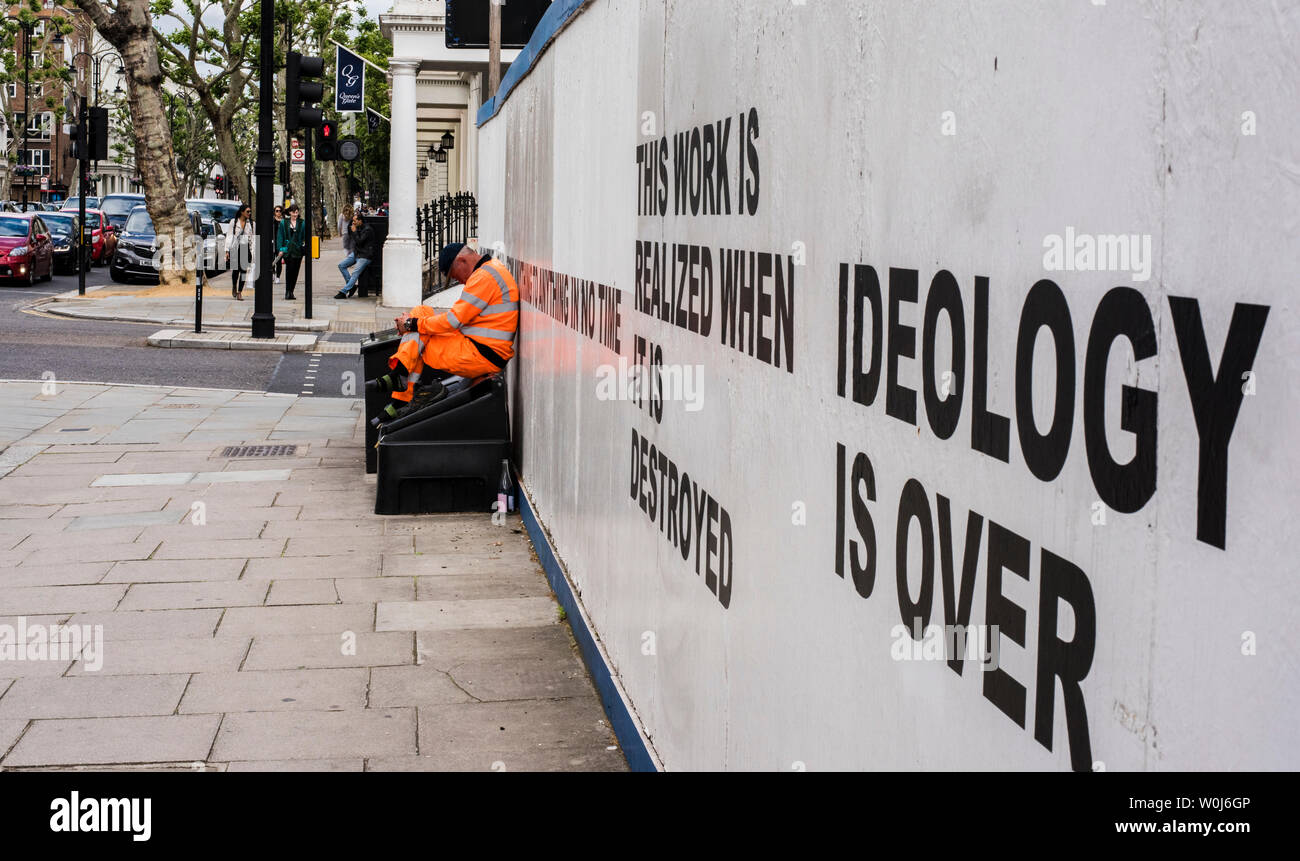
point(559, 759)
point(312, 568)
point(275, 690)
point(444, 615)
point(115, 521)
point(232, 548)
point(320, 651)
point(10, 730)
point(299, 765)
point(93, 695)
point(174, 738)
point(525, 583)
point(175, 655)
point(174, 570)
point(191, 595)
point(152, 624)
point(414, 686)
point(316, 734)
point(287, 592)
point(514, 732)
point(47, 600)
point(54, 574)
point(312, 619)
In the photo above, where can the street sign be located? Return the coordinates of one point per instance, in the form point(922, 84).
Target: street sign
point(298, 155)
point(297, 167)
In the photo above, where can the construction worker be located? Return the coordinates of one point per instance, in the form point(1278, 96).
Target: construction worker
point(475, 337)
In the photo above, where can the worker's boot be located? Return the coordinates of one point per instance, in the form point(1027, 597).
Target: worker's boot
point(393, 381)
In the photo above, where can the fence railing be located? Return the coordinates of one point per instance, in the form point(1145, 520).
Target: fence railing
point(450, 218)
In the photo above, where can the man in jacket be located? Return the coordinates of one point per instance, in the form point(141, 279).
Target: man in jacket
point(363, 251)
point(474, 338)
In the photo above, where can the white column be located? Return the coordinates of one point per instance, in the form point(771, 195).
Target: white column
point(402, 253)
point(469, 147)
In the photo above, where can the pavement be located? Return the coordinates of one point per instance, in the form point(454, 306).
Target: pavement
point(221, 313)
point(244, 610)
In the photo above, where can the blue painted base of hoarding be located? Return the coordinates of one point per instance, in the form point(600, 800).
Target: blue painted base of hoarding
point(629, 738)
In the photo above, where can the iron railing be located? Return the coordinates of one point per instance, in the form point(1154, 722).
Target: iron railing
point(447, 219)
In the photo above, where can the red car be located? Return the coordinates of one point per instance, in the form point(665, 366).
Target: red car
point(103, 239)
point(26, 252)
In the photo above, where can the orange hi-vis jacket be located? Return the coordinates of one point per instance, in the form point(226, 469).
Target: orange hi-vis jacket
point(487, 310)
point(484, 318)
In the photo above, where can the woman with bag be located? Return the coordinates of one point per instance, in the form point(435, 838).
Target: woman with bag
point(291, 240)
point(240, 243)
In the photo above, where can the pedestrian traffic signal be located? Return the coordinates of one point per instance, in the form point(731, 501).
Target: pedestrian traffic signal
point(327, 145)
point(301, 93)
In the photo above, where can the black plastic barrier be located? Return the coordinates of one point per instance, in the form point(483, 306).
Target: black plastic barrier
point(446, 456)
point(372, 278)
point(375, 353)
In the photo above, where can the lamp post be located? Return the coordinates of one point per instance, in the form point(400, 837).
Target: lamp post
point(27, 99)
point(94, 60)
point(264, 170)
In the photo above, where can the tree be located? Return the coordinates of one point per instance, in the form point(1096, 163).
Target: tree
point(212, 53)
point(48, 77)
point(127, 25)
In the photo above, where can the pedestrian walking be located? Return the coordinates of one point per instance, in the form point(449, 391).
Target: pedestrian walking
point(291, 240)
point(239, 251)
point(278, 214)
point(345, 223)
point(363, 251)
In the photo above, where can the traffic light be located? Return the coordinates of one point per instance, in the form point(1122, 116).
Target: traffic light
point(301, 93)
point(74, 131)
point(219, 184)
point(97, 134)
point(327, 145)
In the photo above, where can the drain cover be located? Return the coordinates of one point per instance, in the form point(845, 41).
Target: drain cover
point(259, 450)
point(73, 430)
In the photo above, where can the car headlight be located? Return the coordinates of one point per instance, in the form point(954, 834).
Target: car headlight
point(19, 251)
point(62, 247)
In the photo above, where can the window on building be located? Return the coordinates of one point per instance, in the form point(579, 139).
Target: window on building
point(38, 29)
point(11, 89)
point(40, 160)
point(41, 127)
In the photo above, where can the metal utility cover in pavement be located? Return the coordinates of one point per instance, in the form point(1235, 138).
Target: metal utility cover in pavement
point(259, 450)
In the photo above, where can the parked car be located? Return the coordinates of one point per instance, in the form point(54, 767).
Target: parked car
point(51, 206)
point(118, 206)
point(103, 238)
point(65, 227)
point(26, 252)
point(220, 211)
point(75, 203)
point(133, 257)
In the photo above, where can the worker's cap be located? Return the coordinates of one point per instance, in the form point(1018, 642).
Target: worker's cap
point(448, 255)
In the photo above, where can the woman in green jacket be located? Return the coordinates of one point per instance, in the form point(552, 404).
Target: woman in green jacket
point(291, 242)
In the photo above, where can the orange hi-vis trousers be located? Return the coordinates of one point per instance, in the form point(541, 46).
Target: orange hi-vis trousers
point(451, 352)
point(488, 309)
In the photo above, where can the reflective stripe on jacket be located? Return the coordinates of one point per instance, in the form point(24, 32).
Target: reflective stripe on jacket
point(487, 310)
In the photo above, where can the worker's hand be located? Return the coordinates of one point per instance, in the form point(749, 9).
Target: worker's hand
point(401, 322)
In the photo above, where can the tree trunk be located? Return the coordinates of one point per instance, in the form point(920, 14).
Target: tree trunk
point(129, 29)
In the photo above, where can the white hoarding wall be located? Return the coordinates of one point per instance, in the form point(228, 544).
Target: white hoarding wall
point(851, 323)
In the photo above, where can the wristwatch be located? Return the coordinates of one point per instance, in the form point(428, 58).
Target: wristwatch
point(412, 324)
